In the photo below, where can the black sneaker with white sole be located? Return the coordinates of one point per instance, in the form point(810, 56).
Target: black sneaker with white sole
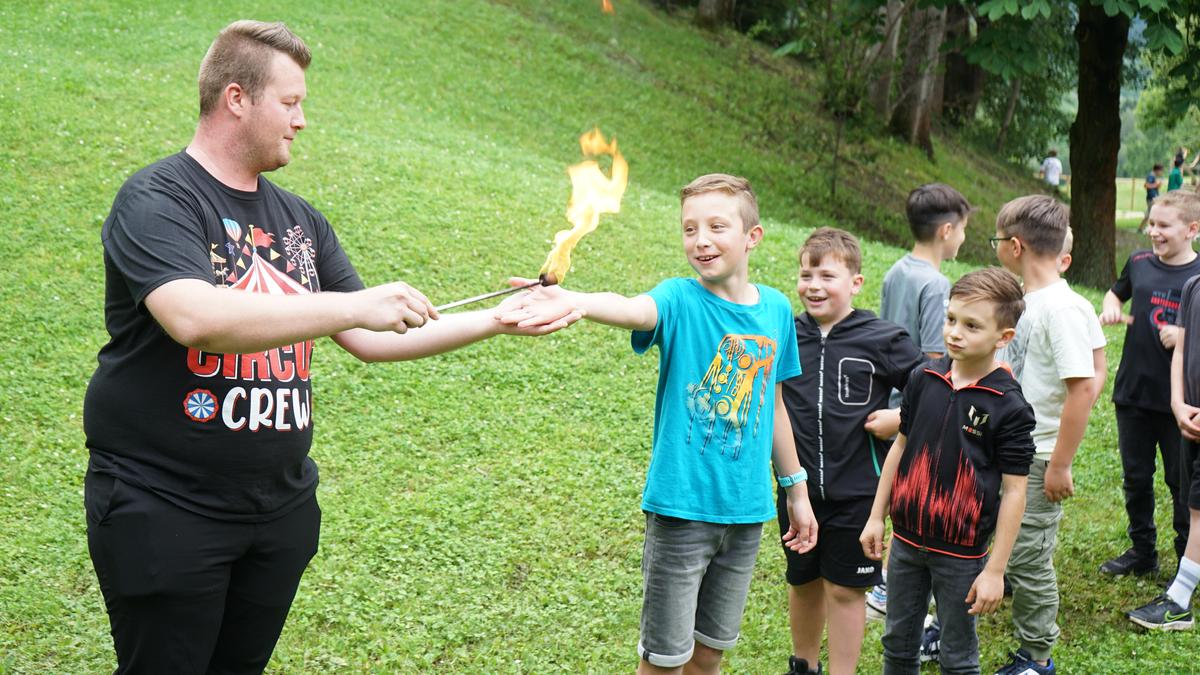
point(1162, 614)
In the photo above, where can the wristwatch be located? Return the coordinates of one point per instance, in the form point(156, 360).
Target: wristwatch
point(798, 477)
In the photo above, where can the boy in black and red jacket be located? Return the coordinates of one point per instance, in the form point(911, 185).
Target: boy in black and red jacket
point(955, 475)
point(850, 361)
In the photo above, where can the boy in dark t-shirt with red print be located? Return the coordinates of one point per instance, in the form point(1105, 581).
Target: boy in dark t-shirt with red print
point(1154, 280)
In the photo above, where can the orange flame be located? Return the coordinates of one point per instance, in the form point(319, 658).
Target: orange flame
point(606, 6)
point(592, 193)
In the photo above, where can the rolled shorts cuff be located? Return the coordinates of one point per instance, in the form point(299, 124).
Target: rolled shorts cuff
point(664, 660)
point(714, 643)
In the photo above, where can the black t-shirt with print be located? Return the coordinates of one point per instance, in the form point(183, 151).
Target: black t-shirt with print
point(223, 435)
point(1143, 378)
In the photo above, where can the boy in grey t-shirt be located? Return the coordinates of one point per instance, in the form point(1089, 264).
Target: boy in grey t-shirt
point(914, 296)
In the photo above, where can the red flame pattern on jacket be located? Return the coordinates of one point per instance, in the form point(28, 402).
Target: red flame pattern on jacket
point(925, 507)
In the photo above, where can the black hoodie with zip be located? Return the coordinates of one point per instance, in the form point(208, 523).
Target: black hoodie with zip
point(946, 494)
point(847, 375)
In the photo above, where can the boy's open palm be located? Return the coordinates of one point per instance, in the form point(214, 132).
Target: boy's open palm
point(986, 593)
point(802, 529)
point(542, 306)
point(872, 539)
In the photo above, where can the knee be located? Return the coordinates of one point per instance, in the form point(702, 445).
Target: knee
point(706, 657)
point(844, 595)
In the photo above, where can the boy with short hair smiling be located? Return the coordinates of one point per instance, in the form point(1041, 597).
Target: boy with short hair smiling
point(851, 360)
point(956, 472)
point(1154, 280)
point(725, 345)
point(1172, 610)
point(1056, 355)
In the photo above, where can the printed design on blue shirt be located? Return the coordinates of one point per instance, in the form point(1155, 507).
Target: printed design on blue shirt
point(726, 393)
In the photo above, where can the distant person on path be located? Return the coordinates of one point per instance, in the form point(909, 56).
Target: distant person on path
point(200, 495)
point(863, 358)
point(1052, 169)
point(725, 346)
point(1057, 357)
point(954, 476)
point(1153, 185)
point(1173, 609)
point(1153, 279)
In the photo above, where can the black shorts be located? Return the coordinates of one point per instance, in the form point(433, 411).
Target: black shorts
point(838, 555)
point(1189, 466)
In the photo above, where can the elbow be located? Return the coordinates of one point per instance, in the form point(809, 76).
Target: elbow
point(192, 332)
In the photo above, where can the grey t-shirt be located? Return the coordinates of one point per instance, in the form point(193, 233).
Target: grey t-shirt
point(914, 297)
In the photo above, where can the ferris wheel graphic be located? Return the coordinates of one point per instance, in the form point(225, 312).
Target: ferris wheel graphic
point(200, 405)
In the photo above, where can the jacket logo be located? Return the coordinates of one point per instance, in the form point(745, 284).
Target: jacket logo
point(977, 419)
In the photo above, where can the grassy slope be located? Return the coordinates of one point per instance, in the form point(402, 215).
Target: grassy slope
point(481, 507)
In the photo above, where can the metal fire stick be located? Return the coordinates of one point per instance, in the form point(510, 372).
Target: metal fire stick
point(494, 294)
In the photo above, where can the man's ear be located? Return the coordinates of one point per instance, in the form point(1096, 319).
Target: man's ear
point(235, 99)
point(945, 230)
point(1193, 229)
point(1006, 336)
point(856, 284)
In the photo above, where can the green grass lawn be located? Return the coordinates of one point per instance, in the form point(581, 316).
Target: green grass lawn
point(480, 508)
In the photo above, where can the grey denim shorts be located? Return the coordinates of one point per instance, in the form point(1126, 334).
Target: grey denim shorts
point(696, 577)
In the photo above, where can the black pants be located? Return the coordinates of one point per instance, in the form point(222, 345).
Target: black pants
point(1139, 432)
point(190, 594)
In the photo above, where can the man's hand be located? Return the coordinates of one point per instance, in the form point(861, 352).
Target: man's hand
point(1059, 484)
point(547, 322)
point(802, 530)
point(541, 306)
point(872, 538)
point(986, 593)
point(1188, 419)
point(393, 307)
point(883, 424)
point(1169, 336)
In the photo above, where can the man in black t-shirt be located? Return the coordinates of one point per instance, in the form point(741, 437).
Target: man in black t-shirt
point(200, 493)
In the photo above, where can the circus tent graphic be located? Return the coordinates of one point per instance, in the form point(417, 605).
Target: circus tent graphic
point(262, 277)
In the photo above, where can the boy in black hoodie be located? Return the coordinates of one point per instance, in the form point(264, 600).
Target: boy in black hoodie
point(955, 474)
point(851, 360)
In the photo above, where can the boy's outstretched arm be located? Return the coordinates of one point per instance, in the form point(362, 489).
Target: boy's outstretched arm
point(872, 534)
point(545, 304)
point(987, 592)
point(1073, 423)
point(802, 531)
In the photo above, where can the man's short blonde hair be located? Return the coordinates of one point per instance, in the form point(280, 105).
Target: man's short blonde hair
point(1039, 221)
point(242, 53)
point(735, 186)
point(1185, 201)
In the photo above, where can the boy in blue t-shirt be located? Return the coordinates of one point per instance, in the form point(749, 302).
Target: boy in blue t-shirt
point(725, 345)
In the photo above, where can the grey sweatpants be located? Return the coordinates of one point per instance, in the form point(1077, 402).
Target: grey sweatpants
point(1031, 569)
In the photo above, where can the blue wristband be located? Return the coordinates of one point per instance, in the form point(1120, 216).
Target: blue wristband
point(798, 477)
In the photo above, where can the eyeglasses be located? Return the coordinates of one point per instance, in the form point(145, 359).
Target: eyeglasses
point(995, 241)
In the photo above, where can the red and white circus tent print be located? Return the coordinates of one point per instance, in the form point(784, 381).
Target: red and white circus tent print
point(262, 277)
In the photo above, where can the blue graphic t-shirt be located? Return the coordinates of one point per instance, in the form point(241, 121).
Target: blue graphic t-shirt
point(714, 415)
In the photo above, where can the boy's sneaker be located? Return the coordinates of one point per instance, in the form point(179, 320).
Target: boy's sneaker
point(931, 640)
point(800, 667)
point(877, 602)
point(1130, 562)
point(1162, 614)
point(1021, 663)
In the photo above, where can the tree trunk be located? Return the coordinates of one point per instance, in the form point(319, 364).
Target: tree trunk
point(712, 14)
point(962, 87)
point(911, 118)
point(1095, 140)
point(885, 63)
point(1014, 95)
